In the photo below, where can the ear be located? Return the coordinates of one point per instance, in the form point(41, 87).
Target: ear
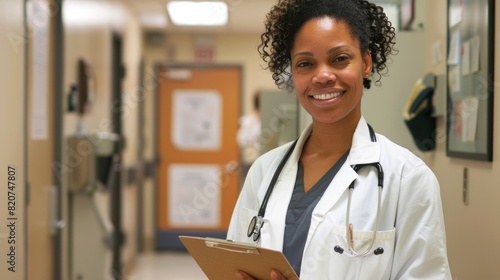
point(367, 63)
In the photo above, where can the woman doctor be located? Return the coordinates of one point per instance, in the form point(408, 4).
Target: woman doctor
point(326, 229)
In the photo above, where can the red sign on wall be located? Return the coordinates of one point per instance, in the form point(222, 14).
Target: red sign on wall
point(204, 53)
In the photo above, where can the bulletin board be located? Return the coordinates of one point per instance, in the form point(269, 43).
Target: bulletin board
point(470, 80)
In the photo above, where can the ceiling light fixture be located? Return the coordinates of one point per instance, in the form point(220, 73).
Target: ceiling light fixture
point(190, 13)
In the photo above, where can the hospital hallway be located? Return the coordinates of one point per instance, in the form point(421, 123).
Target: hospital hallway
point(166, 265)
point(120, 129)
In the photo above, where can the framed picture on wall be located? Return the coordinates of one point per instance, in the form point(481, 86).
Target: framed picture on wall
point(407, 14)
point(470, 65)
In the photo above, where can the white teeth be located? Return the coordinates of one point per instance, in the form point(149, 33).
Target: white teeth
point(326, 96)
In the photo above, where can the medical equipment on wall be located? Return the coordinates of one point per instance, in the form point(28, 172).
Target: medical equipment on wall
point(91, 158)
point(419, 115)
point(90, 172)
point(257, 222)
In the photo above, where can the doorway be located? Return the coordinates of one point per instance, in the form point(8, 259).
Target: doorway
point(198, 174)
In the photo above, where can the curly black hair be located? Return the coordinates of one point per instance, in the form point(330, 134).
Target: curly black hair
point(367, 22)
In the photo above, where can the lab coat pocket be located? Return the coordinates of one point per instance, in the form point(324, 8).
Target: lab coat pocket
point(375, 266)
point(322, 259)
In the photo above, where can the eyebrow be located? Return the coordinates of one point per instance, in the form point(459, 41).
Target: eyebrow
point(334, 49)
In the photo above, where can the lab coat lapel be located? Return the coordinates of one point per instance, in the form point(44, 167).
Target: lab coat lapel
point(363, 150)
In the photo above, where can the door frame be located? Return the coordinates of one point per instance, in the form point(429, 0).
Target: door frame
point(140, 161)
point(157, 69)
point(60, 265)
point(117, 75)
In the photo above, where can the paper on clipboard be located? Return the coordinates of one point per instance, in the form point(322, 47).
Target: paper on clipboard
point(220, 259)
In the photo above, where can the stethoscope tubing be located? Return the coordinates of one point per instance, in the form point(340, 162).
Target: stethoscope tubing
point(258, 221)
point(350, 235)
point(263, 206)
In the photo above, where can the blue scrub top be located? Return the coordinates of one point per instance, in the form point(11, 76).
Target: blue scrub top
point(298, 216)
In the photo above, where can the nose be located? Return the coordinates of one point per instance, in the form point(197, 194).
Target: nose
point(324, 75)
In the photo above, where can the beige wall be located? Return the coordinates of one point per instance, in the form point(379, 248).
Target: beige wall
point(90, 41)
point(88, 35)
point(132, 53)
point(395, 87)
point(40, 150)
point(473, 231)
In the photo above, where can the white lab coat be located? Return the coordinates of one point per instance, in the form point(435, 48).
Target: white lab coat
point(411, 226)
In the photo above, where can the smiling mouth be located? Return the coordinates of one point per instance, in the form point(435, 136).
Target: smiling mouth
point(327, 96)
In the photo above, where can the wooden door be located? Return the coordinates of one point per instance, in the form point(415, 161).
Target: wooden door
point(197, 176)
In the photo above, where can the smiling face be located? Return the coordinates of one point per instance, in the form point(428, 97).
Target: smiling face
point(328, 70)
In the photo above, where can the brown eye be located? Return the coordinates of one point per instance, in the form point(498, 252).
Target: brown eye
point(303, 64)
point(341, 58)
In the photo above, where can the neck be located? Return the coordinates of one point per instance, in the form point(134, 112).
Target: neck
point(331, 139)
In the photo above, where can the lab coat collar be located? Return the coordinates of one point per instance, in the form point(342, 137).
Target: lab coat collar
point(363, 150)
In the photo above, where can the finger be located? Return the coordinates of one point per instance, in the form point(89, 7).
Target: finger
point(276, 275)
point(244, 276)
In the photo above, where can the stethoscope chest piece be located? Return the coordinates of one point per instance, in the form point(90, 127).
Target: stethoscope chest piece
point(254, 227)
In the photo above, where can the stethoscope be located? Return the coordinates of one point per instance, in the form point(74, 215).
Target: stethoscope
point(257, 222)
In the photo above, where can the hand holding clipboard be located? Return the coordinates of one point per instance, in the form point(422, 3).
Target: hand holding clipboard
point(221, 259)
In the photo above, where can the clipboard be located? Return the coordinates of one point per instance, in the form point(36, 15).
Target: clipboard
point(220, 259)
